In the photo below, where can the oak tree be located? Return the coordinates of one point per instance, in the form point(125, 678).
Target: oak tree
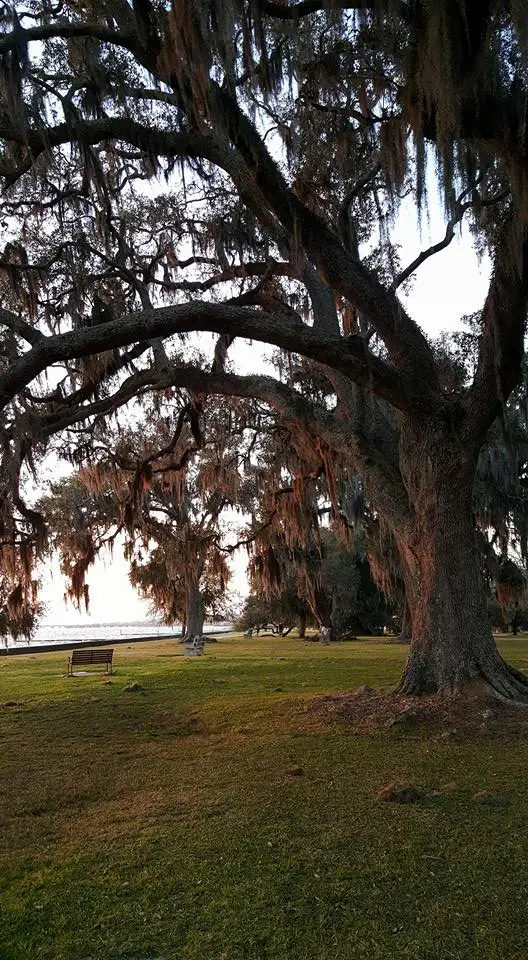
point(275, 135)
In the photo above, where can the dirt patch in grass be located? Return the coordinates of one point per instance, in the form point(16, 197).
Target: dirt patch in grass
point(442, 718)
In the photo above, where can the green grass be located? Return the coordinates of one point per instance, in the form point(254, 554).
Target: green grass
point(167, 823)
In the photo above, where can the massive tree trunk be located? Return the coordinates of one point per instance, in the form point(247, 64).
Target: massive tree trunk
point(452, 646)
point(194, 609)
point(302, 625)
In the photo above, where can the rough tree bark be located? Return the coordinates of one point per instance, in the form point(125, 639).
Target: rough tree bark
point(452, 647)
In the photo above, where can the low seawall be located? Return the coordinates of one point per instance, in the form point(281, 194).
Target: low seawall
point(76, 644)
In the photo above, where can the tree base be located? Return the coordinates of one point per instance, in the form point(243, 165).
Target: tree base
point(474, 714)
point(497, 680)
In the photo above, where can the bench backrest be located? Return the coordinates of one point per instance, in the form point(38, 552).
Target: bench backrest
point(91, 656)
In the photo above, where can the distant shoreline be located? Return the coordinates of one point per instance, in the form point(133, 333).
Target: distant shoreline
point(114, 642)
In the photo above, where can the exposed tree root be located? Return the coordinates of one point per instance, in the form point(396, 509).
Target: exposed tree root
point(508, 684)
point(491, 678)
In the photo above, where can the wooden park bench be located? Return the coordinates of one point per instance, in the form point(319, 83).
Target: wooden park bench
point(85, 658)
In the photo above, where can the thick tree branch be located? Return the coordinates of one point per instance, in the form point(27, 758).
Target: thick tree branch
point(323, 302)
point(150, 139)
point(296, 11)
point(407, 346)
point(349, 355)
point(19, 327)
point(67, 31)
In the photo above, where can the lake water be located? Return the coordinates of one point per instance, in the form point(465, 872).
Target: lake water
point(87, 633)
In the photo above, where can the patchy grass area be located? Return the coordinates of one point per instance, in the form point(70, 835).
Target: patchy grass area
point(217, 815)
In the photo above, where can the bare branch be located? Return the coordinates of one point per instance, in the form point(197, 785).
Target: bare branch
point(245, 541)
point(434, 248)
point(460, 210)
point(241, 271)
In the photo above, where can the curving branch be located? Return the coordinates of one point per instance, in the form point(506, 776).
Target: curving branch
point(434, 248)
point(407, 346)
point(13, 40)
point(296, 11)
point(460, 209)
point(150, 139)
point(348, 355)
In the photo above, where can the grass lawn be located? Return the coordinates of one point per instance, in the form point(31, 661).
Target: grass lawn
point(214, 816)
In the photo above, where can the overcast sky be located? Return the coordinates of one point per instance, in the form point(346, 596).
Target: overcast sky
point(447, 286)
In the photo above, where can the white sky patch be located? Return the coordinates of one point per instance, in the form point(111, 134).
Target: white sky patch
point(451, 283)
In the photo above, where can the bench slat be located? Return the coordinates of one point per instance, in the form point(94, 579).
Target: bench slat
point(91, 656)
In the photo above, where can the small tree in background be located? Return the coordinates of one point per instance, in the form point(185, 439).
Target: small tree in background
point(357, 604)
point(280, 611)
point(19, 615)
point(162, 492)
point(161, 580)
